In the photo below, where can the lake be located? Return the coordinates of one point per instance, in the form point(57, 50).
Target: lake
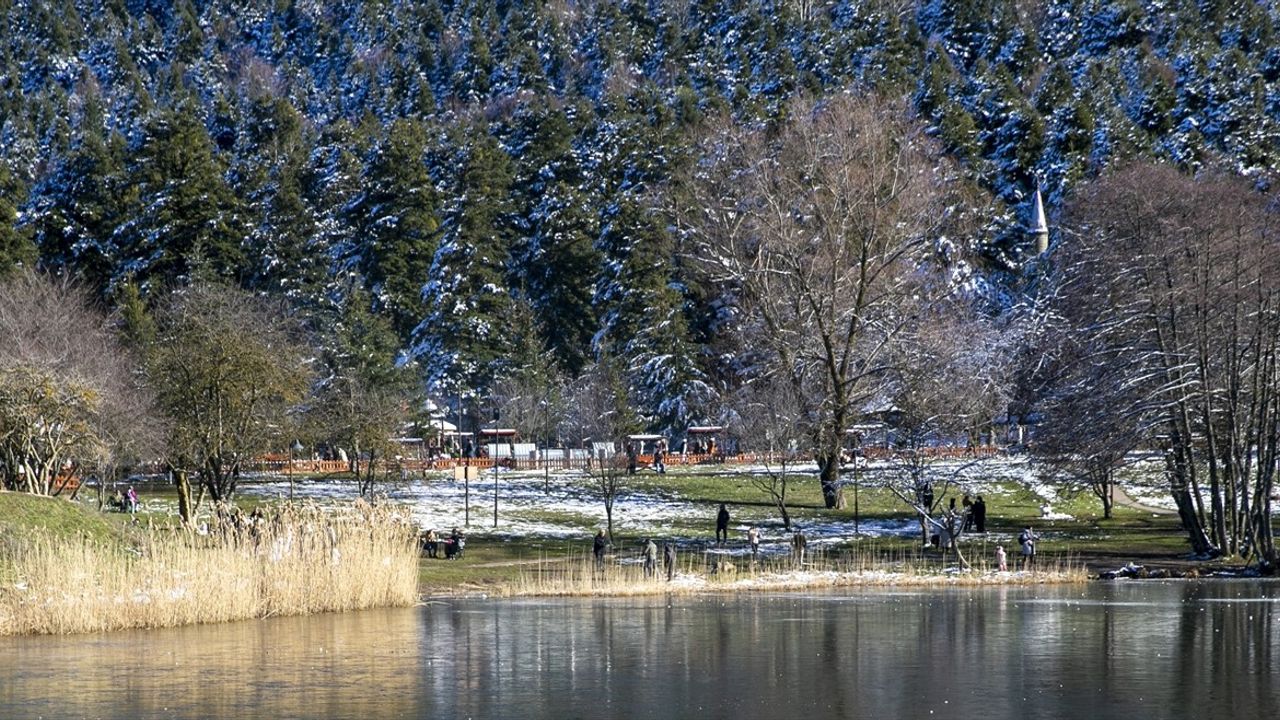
point(1133, 650)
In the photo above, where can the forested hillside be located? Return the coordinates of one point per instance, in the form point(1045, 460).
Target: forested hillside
point(472, 187)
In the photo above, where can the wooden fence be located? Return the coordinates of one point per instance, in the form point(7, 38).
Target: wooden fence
point(568, 461)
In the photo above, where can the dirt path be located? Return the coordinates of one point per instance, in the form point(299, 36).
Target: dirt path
point(1125, 500)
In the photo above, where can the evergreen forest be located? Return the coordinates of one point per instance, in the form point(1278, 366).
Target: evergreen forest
point(481, 189)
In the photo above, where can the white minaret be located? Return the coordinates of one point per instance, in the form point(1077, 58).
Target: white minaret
point(1039, 225)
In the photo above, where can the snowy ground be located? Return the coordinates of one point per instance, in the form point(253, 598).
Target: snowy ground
point(570, 510)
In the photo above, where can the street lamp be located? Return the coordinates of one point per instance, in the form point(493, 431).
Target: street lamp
point(494, 458)
point(294, 449)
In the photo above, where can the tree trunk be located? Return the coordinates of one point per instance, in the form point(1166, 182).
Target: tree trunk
point(1175, 462)
point(183, 484)
point(366, 480)
point(829, 476)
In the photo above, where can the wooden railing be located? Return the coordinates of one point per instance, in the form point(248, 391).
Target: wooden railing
point(274, 464)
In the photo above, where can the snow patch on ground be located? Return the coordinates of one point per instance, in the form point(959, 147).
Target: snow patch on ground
point(526, 508)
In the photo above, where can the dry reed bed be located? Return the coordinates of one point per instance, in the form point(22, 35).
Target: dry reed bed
point(297, 561)
point(706, 574)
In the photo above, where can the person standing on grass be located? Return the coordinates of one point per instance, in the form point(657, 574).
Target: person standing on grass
point(650, 559)
point(722, 525)
point(598, 547)
point(980, 514)
point(669, 560)
point(1027, 539)
point(798, 544)
point(753, 539)
point(132, 496)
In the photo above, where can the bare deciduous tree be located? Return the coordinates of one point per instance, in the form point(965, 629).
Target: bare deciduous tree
point(1176, 281)
point(946, 382)
point(228, 369)
point(771, 421)
point(821, 235)
point(69, 394)
point(601, 412)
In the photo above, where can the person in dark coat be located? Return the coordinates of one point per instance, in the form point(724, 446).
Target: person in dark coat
point(722, 524)
point(980, 515)
point(598, 547)
point(669, 560)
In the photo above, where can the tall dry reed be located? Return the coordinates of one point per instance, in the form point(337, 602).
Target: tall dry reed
point(295, 561)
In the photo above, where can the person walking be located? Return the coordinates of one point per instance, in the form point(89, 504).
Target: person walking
point(722, 525)
point(650, 559)
point(669, 560)
point(1027, 539)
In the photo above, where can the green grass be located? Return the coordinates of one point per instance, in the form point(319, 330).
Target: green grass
point(489, 563)
point(494, 562)
point(20, 513)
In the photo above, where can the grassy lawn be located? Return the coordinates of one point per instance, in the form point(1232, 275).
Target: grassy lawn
point(492, 561)
point(20, 512)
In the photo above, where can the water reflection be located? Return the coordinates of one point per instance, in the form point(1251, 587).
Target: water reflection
point(1109, 650)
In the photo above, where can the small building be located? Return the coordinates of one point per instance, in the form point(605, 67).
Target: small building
point(499, 442)
point(704, 440)
point(645, 444)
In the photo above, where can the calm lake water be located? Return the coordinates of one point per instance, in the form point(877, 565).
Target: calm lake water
point(1132, 650)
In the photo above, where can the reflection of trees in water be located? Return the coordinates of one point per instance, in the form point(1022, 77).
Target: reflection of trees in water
point(1114, 650)
point(1222, 636)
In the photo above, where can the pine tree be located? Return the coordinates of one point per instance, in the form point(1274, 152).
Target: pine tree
point(555, 262)
point(184, 218)
point(272, 161)
point(77, 208)
point(394, 223)
point(16, 248)
point(467, 335)
point(643, 325)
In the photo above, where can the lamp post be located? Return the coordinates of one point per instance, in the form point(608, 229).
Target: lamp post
point(857, 450)
point(294, 449)
point(494, 458)
point(466, 467)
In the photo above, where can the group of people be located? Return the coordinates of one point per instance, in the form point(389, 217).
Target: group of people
point(975, 514)
point(798, 540)
point(453, 545)
point(1027, 540)
point(659, 457)
point(126, 501)
point(648, 554)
